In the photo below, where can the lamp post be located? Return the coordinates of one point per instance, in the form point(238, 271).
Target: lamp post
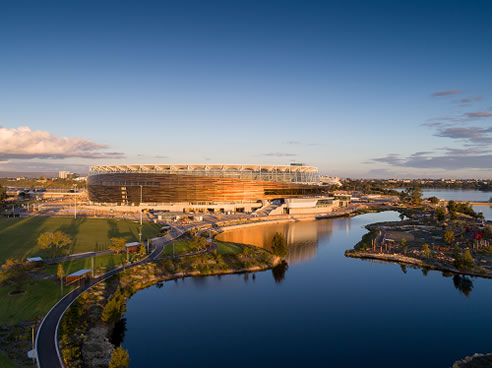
point(140, 204)
point(75, 213)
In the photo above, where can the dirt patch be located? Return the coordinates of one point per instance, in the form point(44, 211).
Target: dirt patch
point(17, 292)
point(397, 236)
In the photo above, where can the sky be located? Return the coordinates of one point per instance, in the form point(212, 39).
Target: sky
point(376, 89)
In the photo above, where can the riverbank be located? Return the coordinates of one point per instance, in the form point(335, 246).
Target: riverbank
point(93, 342)
point(424, 264)
point(429, 238)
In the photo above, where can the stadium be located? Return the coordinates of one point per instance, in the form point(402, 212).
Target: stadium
point(200, 184)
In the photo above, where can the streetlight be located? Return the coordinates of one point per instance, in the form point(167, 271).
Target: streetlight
point(140, 204)
point(75, 213)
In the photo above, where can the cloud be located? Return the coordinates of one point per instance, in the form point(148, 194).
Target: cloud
point(25, 143)
point(478, 115)
point(160, 156)
point(446, 93)
point(42, 167)
point(302, 143)
point(471, 99)
point(279, 154)
point(474, 135)
point(452, 159)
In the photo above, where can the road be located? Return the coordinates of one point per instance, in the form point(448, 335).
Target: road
point(46, 344)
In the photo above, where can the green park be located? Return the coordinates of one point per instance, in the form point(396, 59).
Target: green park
point(27, 292)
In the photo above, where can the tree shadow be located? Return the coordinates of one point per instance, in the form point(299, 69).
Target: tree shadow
point(114, 231)
point(279, 272)
point(72, 229)
point(463, 283)
point(118, 332)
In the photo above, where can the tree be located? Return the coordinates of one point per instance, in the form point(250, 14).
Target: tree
point(117, 244)
point(452, 206)
point(402, 216)
point(54, 241)
point(119, 358)
point(462, 260)
point(114, 308)
point(403, 245)
point(468, 261)
point(440, 213)
point(142, 251)
point(60, 273)
point(198, 242)
point(2, 196)
point(453, 215)
point(448, 237)
point(433, 200)
point(426, 250)
point(416, 195)
point(279, 246)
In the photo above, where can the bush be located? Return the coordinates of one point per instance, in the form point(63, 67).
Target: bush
point(426, 250)
point(440, 213)
point(448, 237)
point(114, 308)
point(279, 245)
point(463, 260)
point(119, 358)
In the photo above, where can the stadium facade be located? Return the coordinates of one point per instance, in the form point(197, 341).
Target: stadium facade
point(201, 184)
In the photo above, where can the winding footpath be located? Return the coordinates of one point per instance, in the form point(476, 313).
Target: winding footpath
point(46, 344)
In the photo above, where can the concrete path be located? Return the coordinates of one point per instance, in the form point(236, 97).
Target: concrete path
point(46, 338)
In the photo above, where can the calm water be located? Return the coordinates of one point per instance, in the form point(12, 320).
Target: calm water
point(326, 310)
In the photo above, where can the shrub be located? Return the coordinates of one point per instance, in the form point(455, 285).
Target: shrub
point(114, 308)
point(426, 250)
point(119, 358)
point(279, 245)
point(448, 237)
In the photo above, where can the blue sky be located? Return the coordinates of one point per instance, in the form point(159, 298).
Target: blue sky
point(357, 88)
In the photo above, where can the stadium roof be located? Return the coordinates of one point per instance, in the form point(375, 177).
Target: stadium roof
point(201, 167)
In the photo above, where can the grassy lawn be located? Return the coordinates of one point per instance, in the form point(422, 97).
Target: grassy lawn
point(18, 237)
point(40, 296)
point(5, 362)
point(184, 246)
point(180, 247)
point(228, 248)
point(100, 262)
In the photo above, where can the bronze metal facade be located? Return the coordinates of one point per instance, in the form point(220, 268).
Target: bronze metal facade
point(128, 188)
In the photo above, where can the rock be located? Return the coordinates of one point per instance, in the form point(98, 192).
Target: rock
point(97, 349)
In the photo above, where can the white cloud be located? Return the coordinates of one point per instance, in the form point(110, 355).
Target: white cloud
point(25, 143)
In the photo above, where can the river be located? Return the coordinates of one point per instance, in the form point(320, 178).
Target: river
point(324, 310)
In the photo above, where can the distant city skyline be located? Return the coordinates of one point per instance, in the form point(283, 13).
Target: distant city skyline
point(375, 89)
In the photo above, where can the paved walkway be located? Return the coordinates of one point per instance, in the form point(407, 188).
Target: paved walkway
point(46, 338)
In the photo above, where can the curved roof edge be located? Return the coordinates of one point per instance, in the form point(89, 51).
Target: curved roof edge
point(206, 167)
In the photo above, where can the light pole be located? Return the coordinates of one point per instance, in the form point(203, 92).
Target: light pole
point(140, 204)
point(75, 213)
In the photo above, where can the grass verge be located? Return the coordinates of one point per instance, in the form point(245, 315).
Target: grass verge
point(39, 297)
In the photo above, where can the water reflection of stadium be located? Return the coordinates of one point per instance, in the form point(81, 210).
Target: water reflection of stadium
point(302, 237)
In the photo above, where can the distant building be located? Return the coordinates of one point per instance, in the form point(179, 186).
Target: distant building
point(65, 174)
point(330, 180)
